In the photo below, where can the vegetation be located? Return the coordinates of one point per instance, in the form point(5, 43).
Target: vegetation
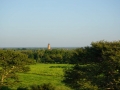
point(96, 67)
point(11, 62)
point(43, 74)
point(43, 87)
point(49, 56)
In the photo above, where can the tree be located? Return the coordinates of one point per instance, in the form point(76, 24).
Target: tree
point(103, 72)
point(12, 62)
point(80, 77)
point(110, 64)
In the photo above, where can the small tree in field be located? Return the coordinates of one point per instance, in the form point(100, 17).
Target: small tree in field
point(11, 62)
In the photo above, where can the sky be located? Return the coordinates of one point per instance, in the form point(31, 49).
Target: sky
point(62, 23)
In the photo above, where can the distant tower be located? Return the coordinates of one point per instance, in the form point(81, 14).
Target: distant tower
point(48, 46)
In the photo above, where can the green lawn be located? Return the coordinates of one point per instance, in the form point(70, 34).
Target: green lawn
point(44, 73)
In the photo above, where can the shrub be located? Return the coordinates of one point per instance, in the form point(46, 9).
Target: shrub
point(4, 88)
point(43, 87)
point(22, 88)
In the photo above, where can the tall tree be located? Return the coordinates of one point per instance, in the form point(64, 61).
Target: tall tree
point(101, 73)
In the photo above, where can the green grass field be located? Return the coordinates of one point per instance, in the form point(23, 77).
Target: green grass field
point(44, 73)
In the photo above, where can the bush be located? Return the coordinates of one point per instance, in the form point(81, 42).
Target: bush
point(22, 88)
point(43, 87)
point(4, 88)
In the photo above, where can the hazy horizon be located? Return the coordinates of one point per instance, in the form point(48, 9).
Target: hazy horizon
point(42, 48)
point(62, 23)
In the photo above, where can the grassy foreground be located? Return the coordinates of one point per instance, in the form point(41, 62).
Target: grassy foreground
point(44, 73)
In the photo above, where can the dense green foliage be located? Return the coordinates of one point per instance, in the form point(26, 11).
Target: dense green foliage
point(97, 66)
point(45, 86)
point(10, 63)
point(49, 56)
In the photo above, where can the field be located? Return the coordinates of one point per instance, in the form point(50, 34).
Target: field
point(44, 73)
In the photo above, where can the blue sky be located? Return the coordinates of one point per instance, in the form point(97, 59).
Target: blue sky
point(62, 23)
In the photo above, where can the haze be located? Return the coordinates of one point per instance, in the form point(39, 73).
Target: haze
point(62, 23)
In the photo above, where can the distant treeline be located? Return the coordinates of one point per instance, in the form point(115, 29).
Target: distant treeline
point(49, 56)
point(57, 55)
point(83, 54)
